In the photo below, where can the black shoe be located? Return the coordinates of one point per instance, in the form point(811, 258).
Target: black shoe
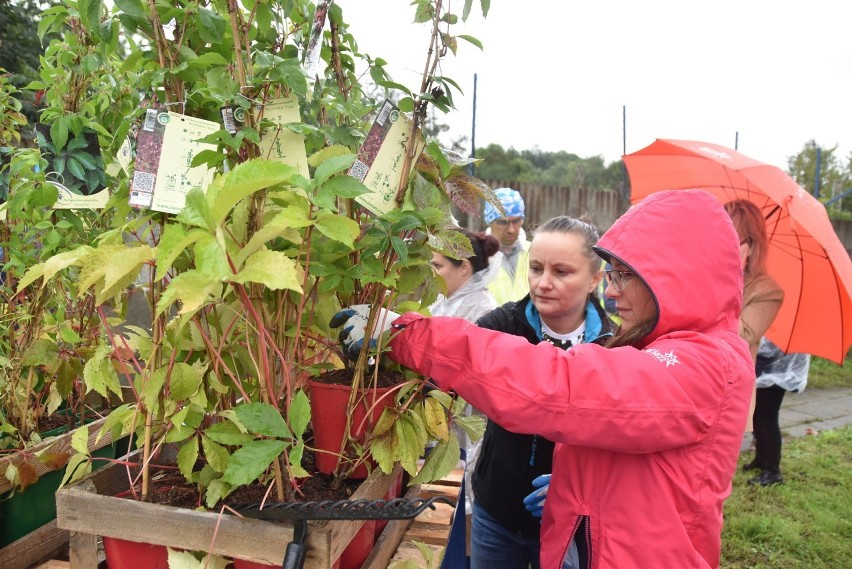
point(767, 478)
point(750, 466)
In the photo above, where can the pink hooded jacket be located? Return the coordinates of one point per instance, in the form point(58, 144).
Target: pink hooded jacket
point(648, 436)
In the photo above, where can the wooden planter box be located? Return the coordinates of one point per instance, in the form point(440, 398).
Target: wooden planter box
point(47, 539)
point(89, 509)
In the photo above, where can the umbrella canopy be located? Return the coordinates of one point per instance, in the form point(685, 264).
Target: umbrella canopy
point(805, 255)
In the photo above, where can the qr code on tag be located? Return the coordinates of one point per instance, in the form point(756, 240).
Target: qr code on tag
point(143, 182)
point(358, 170)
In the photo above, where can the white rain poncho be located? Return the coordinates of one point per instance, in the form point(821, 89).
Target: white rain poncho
point(788, 371)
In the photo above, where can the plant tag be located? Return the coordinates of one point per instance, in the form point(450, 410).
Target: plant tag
point(277, 142)
point(163, 175)
point(381, 158)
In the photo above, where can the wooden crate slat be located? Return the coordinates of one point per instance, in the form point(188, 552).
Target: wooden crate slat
point(390, 539)
point(34, 547)
point(81, 508)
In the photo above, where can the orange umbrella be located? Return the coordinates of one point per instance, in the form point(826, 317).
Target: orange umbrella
point(805, 255)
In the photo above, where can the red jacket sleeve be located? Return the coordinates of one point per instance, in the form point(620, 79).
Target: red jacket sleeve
point(623, 399)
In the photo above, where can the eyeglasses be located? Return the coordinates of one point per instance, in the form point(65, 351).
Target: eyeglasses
point(617, 278)
point(503, 222)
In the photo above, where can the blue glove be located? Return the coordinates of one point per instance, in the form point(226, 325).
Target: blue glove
point(534, 502)
point(354, 321)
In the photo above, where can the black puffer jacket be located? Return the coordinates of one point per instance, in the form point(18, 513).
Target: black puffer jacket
point(507, 463)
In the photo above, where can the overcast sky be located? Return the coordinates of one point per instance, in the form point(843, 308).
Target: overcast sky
point(557, 73)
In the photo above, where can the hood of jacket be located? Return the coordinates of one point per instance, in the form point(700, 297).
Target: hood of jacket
point(668, 240)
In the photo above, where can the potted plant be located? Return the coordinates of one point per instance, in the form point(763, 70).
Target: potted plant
point(46, 334)
point(244, 278)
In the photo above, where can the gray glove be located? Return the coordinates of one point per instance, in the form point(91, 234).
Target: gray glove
point(354, 321)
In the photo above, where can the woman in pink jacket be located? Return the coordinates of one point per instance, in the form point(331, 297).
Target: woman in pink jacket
point(647, 429)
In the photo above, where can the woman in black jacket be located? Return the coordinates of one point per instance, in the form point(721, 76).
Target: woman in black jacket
point(563, 309)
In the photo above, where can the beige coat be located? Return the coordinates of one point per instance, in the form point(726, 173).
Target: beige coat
point(762, 298)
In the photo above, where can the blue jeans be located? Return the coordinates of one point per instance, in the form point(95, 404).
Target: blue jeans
point(494, 547)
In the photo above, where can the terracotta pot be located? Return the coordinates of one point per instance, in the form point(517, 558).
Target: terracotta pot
point(328, 415)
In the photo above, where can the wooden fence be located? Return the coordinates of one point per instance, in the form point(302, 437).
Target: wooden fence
point(604, 207)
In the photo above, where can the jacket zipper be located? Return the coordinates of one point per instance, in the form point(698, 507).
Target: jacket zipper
point(587, 534)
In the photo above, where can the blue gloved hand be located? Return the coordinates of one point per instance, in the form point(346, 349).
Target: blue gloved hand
point(534, 502)
point(354, 321)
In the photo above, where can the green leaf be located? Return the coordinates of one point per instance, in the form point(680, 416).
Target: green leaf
point(474, 426)
point(332, 166)
point(90, 16)
point(273, 269)
point(244, 180)
point(76, 168)
point(400, 247)
point(321, 156)
point(211, 26)
point(153, 387)
point(192, 288)
point(216, 490)
point(59, 133)
point(227, 433)
point(185, 380)
point(471, 39)
point(78, 466)
point(122, 270)
point(299, 413)
point(263, 419)
point(435, 416)
point(249, 462)
point(69, 336)
point(412, 436)
point(173, 242)
point(80, 440)
point(209, 59)
point(281, 225)
point(131, 7)
point(440, 461)
point(211, 259)
point(406, 104)
point(99, 375)
point(339, 187)
point(196, 211)
point(217, 455)
point(295, 459)
point(187, 457)
point(338, 227)
point(42, 352)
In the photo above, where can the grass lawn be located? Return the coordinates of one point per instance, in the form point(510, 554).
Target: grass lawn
point(804, 523)
point(824, 373)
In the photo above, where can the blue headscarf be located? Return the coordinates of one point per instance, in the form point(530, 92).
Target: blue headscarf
point(513, 205)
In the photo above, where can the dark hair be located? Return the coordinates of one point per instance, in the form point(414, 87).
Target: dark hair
point(751, 227)
point(633, 336)
point(484, 247)
point(581, 226)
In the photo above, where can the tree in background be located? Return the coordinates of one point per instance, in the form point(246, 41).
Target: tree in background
point(20, 48)
point(835, 177)
point(547, 168)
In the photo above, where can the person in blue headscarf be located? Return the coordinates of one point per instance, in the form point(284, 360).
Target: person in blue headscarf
point(511, 283)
